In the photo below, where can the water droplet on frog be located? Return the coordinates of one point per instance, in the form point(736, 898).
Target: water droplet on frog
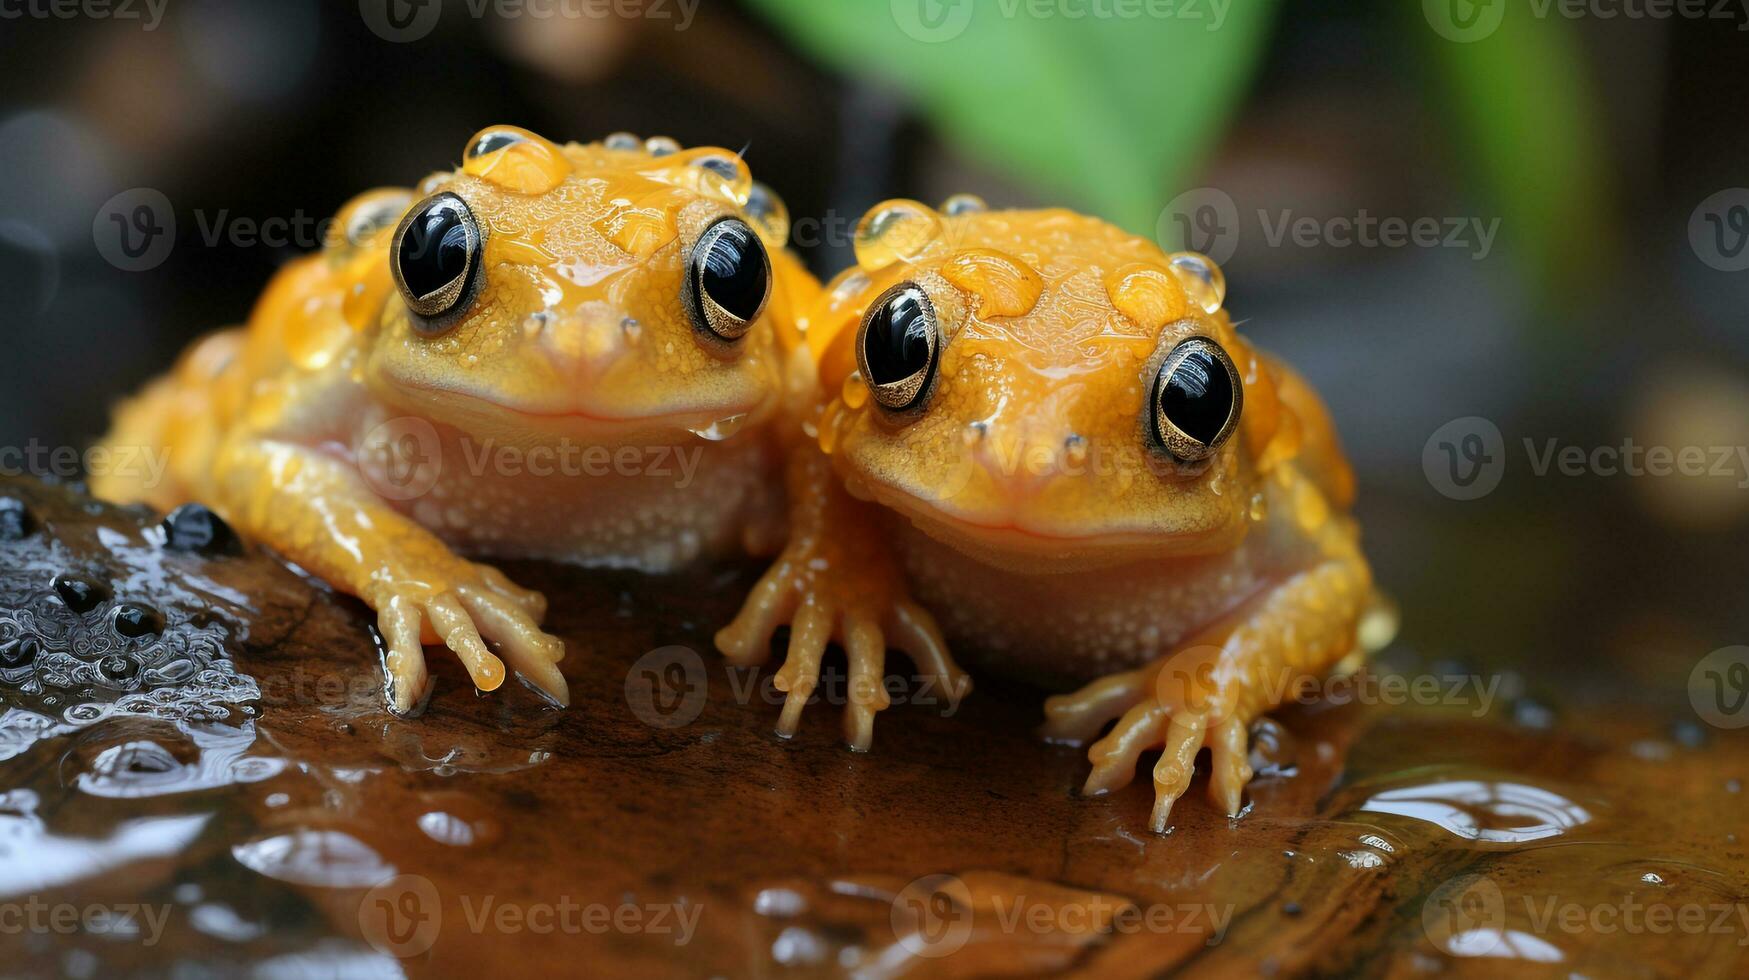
point(661, 146)
point(1075, 451)
point(854, 391)
point(895, 231)
point(1202, 279)
point(852, 284)
point(721, 166)
point(631, 328)
point(623, 141)
point(722, 428)
point(963, 204)
point(770, 215)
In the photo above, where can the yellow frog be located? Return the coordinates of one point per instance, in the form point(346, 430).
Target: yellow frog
point(1050, 431)
point(564, 352)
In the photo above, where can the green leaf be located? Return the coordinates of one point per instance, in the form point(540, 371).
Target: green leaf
point(1525, 127)
point(1106, 113)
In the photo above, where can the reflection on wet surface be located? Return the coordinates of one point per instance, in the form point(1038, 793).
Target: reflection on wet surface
point(264, 814)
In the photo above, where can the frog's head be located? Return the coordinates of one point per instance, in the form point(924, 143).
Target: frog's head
point(619, 286)
point(1039, 384)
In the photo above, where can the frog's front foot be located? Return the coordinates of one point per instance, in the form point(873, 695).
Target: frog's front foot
point(464, 607)
point(1154, 711)
point(860, 606)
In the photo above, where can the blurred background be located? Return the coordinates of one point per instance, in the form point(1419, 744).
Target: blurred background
point(1485, 230)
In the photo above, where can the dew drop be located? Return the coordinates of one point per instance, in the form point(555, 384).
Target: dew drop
point(963, 204)
point(895, 231)
point(723, 428)
point(1202, 279)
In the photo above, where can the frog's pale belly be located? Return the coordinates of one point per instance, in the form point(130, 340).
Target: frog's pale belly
point(1059, 629)
point(653, 508)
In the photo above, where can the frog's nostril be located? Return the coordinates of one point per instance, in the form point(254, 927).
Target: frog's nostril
point(587, 341)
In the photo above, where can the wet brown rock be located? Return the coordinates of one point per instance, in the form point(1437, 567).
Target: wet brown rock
point(658, 828)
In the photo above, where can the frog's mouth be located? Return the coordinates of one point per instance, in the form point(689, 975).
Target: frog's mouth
point(476, 412)
point(1020, 542)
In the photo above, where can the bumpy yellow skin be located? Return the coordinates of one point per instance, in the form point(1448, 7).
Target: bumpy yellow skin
point(572, 411)
point(1025, 506)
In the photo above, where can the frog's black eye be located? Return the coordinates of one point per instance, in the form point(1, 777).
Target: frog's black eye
point(728, 279)
point(898, 346)
point(436, 259)
point(1197, 399)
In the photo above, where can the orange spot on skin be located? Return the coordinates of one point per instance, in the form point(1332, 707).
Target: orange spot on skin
point(1149, 295)
point(1004, 285)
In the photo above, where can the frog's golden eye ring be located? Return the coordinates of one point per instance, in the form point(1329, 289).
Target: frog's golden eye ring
point(1197, 400)
point(898, 347)
point(728, 280)
point(436, 259)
